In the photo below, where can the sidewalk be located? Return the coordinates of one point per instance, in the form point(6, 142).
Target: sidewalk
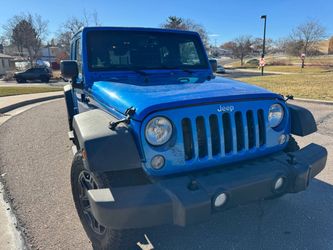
point(9, 103)
point(10, 237)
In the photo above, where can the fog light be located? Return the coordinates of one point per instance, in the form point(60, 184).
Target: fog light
point(157, 162)
point(283, 139)
point(279, 183)
point(220, 200)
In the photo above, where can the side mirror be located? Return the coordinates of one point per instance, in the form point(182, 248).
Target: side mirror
point(69, 69)
point(213, 64)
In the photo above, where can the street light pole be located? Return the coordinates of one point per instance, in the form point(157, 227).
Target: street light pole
point(263, 43)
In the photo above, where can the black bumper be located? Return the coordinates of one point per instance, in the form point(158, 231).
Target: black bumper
point(189, 199)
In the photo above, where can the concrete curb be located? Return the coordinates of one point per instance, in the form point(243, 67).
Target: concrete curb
point(314, 101)
point(28, 102)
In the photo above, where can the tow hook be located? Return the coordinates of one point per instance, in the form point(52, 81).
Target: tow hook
point(292, 159)
point(193, 185)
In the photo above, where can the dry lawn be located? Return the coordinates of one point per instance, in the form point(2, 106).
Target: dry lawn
point(312, 86)
point(7, 91)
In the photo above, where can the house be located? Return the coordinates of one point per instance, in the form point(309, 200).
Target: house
point(53, 55)
point(6, 64)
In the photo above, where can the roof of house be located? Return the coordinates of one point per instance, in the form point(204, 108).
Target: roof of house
point(5, 56)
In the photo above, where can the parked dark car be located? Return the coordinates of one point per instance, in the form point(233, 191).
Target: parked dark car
point(220, 69)
point(41, 74)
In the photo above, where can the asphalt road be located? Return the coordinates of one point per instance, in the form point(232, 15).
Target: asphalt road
point(36, 155)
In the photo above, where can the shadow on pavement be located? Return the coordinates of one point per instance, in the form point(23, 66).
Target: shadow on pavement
point(296, 221)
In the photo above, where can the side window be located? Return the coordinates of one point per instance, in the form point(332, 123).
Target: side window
point(164, 55)
point(78, 54)
point(72, 51)
point(188, 54)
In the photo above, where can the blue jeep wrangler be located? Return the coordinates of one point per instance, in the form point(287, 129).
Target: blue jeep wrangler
point(159, 139)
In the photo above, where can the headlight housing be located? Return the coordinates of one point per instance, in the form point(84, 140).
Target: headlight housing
point(158, 131)
point(275, 115)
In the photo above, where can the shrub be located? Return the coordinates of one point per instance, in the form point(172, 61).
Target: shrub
point(252, 62)
point(8, 76)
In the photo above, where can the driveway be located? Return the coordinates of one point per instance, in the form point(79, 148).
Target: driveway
point(36, 155)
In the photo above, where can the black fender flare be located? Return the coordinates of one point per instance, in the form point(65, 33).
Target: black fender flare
point(68, 93)
point(302, 120)
point(105, 149)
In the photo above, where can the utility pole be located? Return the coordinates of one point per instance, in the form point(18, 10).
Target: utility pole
point(263, 45)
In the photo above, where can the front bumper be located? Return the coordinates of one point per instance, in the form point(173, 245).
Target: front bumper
point(188, 199)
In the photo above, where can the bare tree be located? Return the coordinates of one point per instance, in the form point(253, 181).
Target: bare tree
point(72, 25)
point(91, 18)
point(308, 35)
point(289, 46)
point(27, 31)
point(257, 45)
point(179, 23)
point(240, 47)
point(330, 46)
point(3, 40)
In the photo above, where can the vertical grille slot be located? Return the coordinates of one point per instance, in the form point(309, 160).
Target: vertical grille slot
point(227, 132)
point(261, 123)
point(239, 130)
point(188, 139)
point(251, 129)
point(215, 134)
point(202, 137)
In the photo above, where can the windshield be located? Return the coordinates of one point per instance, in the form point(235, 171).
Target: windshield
point(139, 50)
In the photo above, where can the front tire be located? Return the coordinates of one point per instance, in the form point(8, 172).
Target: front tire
point(45, 79)
point(21, 80)
point(101, 237)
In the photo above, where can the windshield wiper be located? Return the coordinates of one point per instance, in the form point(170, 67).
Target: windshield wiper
point(142, 73)
point(178, 68)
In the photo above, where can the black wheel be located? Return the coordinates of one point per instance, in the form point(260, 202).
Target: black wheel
point(44, 79)
point(292, 145)
point(20, 80)
point(101, 237)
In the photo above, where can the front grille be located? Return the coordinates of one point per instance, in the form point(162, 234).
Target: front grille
point(218, 135)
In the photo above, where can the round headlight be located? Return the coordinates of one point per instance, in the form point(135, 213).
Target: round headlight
point(275, 115)
point(158, 131)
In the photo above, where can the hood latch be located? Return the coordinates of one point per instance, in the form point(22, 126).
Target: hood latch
point(129, 113)
point(288, 97)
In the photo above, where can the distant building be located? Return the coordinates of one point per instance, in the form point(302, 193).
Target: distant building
point(6, 64)
point(219, 52)
point(51, 54)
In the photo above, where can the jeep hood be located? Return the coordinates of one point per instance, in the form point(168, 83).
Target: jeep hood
point(147, 99)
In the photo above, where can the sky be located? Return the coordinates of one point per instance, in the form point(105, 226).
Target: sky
point(224, 20)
